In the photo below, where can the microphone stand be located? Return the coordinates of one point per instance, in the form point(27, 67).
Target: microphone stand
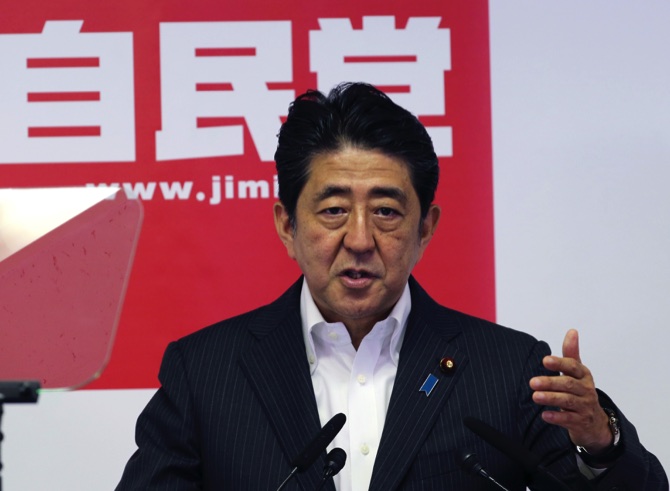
point(470, 462)
point(281, 486)
point(15, 392)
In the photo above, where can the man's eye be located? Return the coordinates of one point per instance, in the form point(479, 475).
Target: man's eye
point(387, 212)
point(333, 210)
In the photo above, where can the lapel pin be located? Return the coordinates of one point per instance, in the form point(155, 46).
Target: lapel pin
point(429, 384)
point(447, 365)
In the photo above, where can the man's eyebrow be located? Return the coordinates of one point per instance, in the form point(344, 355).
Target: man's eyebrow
point(389, 192)
point(330, 191)
point(376, 192)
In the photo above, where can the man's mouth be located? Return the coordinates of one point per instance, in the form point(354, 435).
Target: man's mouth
point(356, 274)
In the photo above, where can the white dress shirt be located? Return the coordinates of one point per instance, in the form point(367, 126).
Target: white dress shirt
point(357, 383)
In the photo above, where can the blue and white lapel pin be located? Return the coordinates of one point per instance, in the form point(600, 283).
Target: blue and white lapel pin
point(429, 384)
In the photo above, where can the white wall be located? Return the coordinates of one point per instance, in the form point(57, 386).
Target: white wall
point(70, 441)
point(581, 119)
point(581, 116)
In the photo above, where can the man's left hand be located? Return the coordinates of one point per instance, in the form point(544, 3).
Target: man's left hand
point(574, 393)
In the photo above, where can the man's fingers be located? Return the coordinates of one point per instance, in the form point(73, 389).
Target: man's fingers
point(559, 384)
point(568, 366)
point(571, 345)
point(563, 400)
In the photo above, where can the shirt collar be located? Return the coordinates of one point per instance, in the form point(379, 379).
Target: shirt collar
point(311, 316)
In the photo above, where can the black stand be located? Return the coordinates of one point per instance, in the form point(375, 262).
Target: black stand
point(24, 391)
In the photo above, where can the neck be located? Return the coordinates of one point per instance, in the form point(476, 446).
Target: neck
point(358, 332)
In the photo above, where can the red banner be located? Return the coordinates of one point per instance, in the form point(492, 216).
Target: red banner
point(179, 104)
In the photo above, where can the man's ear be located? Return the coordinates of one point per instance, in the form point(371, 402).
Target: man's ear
point(429, 225)
point(284, 227)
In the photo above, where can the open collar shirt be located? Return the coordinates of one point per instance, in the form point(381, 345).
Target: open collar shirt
point(357, 383)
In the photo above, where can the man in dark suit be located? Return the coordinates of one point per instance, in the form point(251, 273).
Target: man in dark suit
point(357, 334)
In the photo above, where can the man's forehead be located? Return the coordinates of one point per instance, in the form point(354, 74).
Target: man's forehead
point(361, 172)
point(354, 165)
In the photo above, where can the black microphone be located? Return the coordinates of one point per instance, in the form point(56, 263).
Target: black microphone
point(311, 452)
point(531, 464)
point(470, 462)
point(335, 461)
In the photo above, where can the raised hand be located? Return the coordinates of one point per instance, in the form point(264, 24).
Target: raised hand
point(574, 393)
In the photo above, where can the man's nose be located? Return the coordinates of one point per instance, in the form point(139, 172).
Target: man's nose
point(358, 237)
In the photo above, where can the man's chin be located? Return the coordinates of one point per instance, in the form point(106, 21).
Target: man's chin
point(362, 312)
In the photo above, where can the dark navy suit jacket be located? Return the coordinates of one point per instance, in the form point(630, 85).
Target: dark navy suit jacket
point(237, 404)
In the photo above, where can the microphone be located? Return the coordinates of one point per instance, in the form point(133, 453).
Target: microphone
point(334, 463)
point(539, 475)
point(323, 438)
point(470, 462)
point(311, 452)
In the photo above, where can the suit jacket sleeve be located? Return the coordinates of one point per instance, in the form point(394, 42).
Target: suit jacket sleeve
point(636, 468)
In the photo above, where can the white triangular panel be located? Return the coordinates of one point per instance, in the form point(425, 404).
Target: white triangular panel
point(28, 214)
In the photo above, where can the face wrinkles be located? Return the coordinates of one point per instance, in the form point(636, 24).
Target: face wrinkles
point(355, 237)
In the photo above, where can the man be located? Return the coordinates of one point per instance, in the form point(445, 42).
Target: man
point(358, 335)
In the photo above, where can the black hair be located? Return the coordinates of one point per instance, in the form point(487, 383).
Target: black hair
point(357, 115)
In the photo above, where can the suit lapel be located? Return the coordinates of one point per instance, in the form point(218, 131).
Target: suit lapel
point(278, 371)
point(412, 413)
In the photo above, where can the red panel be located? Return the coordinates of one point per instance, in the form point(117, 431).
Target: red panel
point(200, 259)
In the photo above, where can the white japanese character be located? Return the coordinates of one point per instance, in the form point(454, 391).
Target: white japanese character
point(66, 96)
point(411, 60)
point(221, 70)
